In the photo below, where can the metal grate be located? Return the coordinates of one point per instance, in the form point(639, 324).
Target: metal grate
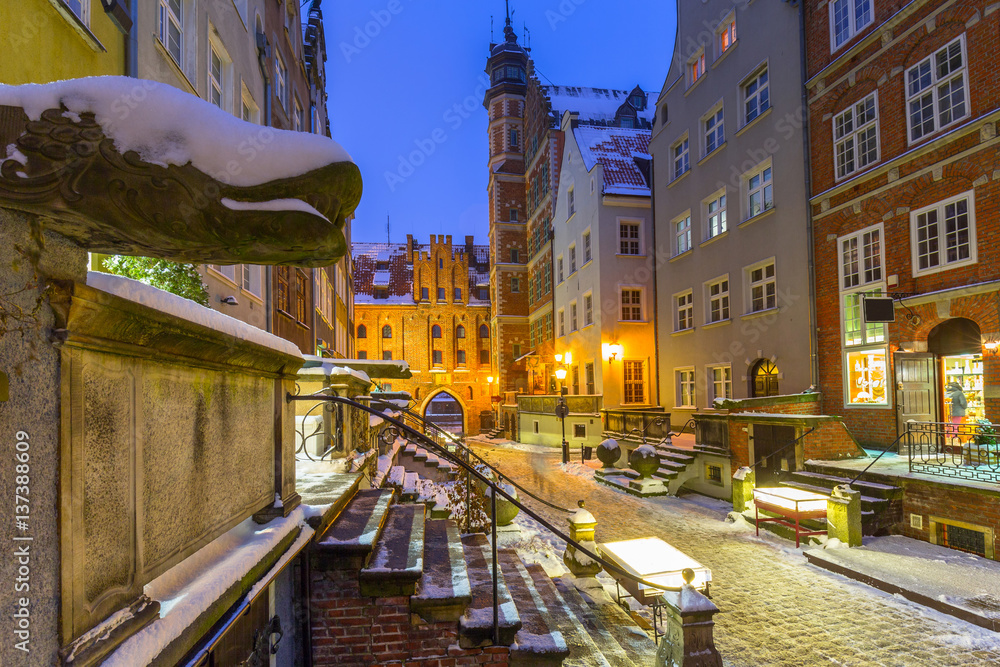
point(714, 473)
point(963, 539)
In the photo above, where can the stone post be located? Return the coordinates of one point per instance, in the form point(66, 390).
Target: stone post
point(843, 515)
point(744, 481)
point(581, 529)
point(688, 638)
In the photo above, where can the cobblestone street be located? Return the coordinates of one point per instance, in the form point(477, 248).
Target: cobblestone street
point(776, 609)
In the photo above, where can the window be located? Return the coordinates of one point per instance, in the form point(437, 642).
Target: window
point(727, 35)
point(515, 256)
point(440, 262)
point(171, 34)
point(215, 76)
point(685, 387)
point(559, 267)
point(435, 331)
point(571, 196)
point(248, 108)
point(936, 91)
point(588, 309)
point(298, 117)
point(718, 301)
point(588, 252)
point(301, 285)
point(458, 294)
point(856, 331)
point(682, 235)
point(252, 279)
point(437, 357)
point(516, 350)
point(866, 377)
point(763, 295)
point(632, 372)
point(756, 99)
point(685, 311)
point(280, 80)
point(628, 238)
point(440, 294)
point(943, 235)
point(682, 158)
point(716, 215)
point(696, 68)
point(573, 324)
point(720, 382)
point(588, 373)
point(484, 357)
point(535, 425)
point(715, 133)
point(760, 197)
point(572, 259)
point(713, 474)
point(425, 294)
point(579, 430)
point(515, 284)
point(228, 271)
point(484, 331)
point(847, 18)
point(512, 215)
point(513, 142)
point(459, 331)
point(576, 381)
point(562, 322)
point(386, 331)
point(764, 379)
point(284, 303)
point(81, 8)
point(631, 305)
point(861, 258)
point(855, 137)
point(484, 294)
point(362, 331)
point(387, 355)
point(460, 357)
point(362, 354)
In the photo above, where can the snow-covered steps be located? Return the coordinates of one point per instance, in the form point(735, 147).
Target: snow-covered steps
point(443, 592)
point(539, 642)
point(411, 489)
point(475, 628)
point(351, 537)
point(626, 638)
point(881, 503)
point(591, 641)
point(397, 561)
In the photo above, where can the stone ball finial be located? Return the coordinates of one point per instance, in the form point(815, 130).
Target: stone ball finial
point(579, 504)
point(644, 460)
point(608, 452)
point(688, 575)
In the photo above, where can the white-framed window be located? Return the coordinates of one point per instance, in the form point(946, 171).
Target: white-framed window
point(866, 377)
point(855, 136)
point(280, 80)
point(252, 280)
point(588, 309)
point(684, 309)
point(943, 235)
point(937, 90)
point(81, 8)
point(171, 28)
point(631, 304)
point(684, 396)
point(634, 381)
point(588, 251)
point(571, 198)
point(762, 286)
point(756, 96)
point(228, 271)
point(726, 34)
point(696, 68)
point(559, 269)
point(720, 383)
point(216, 75)
point(573, 322)
point(717, 297)
point(682, 157)
point(248, 108)
point(856, 330)
point(760, 191)
point(572, 259)
point(241, 9)
point(682, 234)
point(714, 131)
point(298, 117)
point(861, 258)
point(847, 18)
point(715, 214)
point(562, 322)
point(629, 238)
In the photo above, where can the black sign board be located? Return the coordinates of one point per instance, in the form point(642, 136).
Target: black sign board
point(879, 309)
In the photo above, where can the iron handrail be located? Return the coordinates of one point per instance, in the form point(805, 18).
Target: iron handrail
point(494, 490)
point(760, 460)
point(867, 467)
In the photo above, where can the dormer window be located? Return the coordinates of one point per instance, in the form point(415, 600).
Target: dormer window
point(381, 266)
point(628, 122)
point(637, 100)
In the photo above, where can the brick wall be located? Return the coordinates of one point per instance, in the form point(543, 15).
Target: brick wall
point(947, 501)
point(350, 630)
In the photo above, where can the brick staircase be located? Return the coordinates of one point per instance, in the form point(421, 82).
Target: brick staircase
point(881, 504)
point(390, 586)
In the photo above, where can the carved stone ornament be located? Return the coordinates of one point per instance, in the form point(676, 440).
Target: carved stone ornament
point(66, 170)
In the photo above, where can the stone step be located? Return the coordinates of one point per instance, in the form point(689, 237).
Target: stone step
point(674, 457)
point(673, 466)
point(873, 489)
point(866, 501)
point(397, 561)
point(619, 639)
point(539, 642)
point(584, 635)
point(351, 537)
point(475, 627)
point(666, 473)
point(443, 592)
point(410, 449)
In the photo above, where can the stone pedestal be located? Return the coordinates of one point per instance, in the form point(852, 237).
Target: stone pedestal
point(843, 515)
point(581, 529)
point(688, 639)
point(744, 481)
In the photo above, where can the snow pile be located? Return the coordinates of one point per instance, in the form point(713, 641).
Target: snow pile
point(577, 469)
point(167, 126)
point(272, 205)
point(185, 309)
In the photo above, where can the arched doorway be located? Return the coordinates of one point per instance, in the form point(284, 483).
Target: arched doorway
point(446, 411)
point(763, 379)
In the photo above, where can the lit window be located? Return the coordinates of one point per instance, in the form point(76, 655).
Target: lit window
point(866, 377)
point(720, 382)
point(682, 160)
point(718, 301)
point(634, 381)
point(716, 216)
point(763, 295)
point(943, 235)
point(855, 137)
point(696, 68)
point(756, 97)
point(760, 195)
point(631, 305)
point(171, 33)
point(685, 387)
point(685, 311)
point(682, 235)
point(847, 18)
point(727, 36)
point(715, 133)
point(628, 238)
point(856, 330)
point(936, 91)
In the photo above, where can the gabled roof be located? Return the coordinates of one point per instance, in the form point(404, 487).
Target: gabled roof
point(621, 151)
point(595, 106)
point(385, 266)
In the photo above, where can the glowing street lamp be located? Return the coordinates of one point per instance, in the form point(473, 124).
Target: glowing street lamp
point(657, 562)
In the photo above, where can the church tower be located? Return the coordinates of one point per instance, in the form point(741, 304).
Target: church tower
point(507, 68)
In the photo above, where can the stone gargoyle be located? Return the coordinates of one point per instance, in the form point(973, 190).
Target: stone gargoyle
point(133, 167)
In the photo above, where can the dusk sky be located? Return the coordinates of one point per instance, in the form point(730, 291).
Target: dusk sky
point(420, 78)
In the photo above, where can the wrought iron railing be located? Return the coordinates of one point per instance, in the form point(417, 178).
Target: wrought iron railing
point(961, 451)
point(495, 490)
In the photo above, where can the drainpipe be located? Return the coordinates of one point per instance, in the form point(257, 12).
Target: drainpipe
point(810, 232)
point(132, 50)
point(268, 270)
point(656, 302)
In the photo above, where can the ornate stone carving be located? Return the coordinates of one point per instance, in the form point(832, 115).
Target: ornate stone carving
point(70, 173)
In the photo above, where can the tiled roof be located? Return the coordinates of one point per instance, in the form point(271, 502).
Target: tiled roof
point(617, 149)
point(396, 274)
point(595, 105)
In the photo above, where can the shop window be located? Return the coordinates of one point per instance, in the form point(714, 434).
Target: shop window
point(866, 375)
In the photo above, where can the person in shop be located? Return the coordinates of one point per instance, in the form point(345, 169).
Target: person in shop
point(958, 404)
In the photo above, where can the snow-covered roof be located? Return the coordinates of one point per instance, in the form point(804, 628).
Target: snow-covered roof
point(595, 105)
point(158, 127)
point(386, 266)
point(617, 149)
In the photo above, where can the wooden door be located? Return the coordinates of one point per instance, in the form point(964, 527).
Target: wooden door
point(771, 449)
point(916, 388)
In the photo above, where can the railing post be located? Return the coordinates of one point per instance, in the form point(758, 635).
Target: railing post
point(688, 639)
point(496, 565)
point(581, 530)
point(843, 515)
point(744, 481)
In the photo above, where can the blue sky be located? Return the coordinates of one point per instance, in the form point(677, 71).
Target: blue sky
point(405, 81)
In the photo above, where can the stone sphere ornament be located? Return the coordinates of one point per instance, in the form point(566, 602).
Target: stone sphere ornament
point(608, 452)
point(644, 460)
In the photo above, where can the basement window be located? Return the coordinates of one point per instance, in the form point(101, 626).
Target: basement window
point(713, 473)
point(579, 430)
point(962, 536)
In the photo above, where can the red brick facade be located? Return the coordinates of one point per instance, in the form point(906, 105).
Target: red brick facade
point(955, 157)
point(931, 501)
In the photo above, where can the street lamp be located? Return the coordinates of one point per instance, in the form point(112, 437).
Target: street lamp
point(561, 411)
point(489, 382)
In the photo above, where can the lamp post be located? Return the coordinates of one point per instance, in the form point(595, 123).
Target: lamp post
point(561, 411)
point(489, 382)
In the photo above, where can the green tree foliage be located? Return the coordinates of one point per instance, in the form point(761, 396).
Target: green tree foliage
point(180, 279)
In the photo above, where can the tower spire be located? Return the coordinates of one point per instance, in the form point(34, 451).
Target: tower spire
point(508, 30)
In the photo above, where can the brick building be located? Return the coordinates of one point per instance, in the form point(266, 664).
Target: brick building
point(429, 305)
point(903, 107)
